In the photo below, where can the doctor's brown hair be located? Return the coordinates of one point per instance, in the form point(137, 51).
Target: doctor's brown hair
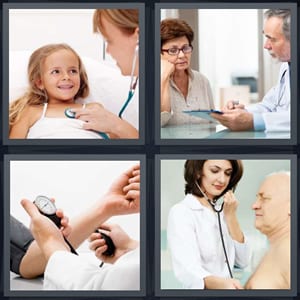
point(193, 172)
point(127, 20)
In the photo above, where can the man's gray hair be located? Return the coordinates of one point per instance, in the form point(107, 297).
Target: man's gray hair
point(285, 15)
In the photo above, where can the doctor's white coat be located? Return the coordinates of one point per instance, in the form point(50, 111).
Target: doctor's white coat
point(66, 271)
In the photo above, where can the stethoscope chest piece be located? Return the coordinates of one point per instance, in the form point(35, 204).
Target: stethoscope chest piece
point(69, 113)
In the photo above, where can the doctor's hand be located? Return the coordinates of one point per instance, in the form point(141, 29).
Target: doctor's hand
point(166, 68)
point(233, 104)
point(219, 283)
point(96, 117)
point(229, 210)
point(48, 237)
point(123, 196)
point(65, 227)
point(120, 238)
point(235, 119)
point(230, 204)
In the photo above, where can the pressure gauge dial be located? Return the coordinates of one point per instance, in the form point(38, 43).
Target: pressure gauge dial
point(47, 208)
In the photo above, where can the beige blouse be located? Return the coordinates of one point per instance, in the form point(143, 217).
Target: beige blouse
point(199, 97)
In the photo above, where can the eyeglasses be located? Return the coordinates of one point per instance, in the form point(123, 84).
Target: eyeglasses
point(175, 51)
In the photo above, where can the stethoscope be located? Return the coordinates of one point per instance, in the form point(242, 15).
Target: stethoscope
point(133, 82)
point(132, 87)
point(218, 211)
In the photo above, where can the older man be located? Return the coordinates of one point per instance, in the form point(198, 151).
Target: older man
point(273, 112)
point(272, 218)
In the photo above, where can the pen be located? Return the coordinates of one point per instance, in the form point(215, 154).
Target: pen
point(235, 102)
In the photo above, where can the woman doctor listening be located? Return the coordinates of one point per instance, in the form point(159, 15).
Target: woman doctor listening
point(200, 258)
point(120, 28)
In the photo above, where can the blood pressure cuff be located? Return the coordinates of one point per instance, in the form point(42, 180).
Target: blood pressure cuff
point(20, 239)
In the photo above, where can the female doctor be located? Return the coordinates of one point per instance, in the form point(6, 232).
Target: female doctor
point(120, 28)
point(201, 258)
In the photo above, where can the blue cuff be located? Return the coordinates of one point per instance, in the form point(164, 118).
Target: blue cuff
point(258, 122)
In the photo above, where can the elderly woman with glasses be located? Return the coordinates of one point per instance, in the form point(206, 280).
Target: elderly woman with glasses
point(181, 87)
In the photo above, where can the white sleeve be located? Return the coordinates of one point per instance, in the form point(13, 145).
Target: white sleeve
point(124, 273)
point(186, 259)
point(66, 271)
point(277, 121)
point(276, 118)
point(242, 253)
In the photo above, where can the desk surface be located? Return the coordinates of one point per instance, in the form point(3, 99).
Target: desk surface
point(18, 283)
point(213, 131)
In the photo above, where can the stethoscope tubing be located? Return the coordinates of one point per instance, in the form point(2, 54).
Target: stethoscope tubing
point(218, 211)
point(133, 83)
point(132, 87)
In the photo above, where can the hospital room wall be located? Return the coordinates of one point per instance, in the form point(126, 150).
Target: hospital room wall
point(30, 29)
point(172, 187)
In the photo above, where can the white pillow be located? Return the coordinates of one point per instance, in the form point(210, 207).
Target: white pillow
point(107, 85)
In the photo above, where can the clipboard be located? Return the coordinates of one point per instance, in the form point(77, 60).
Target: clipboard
point(204, 114)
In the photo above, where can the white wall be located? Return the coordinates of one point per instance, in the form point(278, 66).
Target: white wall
point(31, 28)
point(228, 43)
point(75, 185)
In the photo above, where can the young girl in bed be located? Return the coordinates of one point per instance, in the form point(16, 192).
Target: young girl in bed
point(57, 78)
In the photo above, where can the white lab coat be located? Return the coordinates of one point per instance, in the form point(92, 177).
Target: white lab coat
point(276, 117)
point(195, 244)
point(66, 271)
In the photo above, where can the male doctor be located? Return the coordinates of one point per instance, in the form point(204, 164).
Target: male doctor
point(273, 112)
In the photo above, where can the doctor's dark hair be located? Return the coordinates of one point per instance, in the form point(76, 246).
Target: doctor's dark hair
point(127, 20)
point(35, 95)
point(175, 28)
point(285, 15)
point(193, 172)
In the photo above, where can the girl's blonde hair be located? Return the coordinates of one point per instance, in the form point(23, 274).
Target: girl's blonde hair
point(127, 20)
point(36, 96)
